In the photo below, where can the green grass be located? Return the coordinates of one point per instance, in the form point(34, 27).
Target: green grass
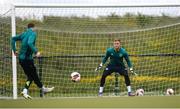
point(96, 102)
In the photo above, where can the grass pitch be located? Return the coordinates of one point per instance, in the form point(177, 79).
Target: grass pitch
point(96, 102)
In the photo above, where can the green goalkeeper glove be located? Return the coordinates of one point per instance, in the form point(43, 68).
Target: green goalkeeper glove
point(132, 71)
point(99, 67)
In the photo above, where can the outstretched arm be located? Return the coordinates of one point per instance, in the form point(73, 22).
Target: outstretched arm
point(31, 43)
point(103, 61)
point(126, 56)
point(13, 42)
point(106, 57)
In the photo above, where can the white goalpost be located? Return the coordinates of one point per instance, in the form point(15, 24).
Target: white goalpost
point(14, 63)
point(74, 38)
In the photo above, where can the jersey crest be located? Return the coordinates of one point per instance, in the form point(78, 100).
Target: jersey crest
point(120, 55)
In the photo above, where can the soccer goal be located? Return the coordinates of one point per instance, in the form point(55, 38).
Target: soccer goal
point(74, 38)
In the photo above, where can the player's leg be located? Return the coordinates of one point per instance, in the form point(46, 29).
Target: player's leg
point(24, 65)
point(36, 79)
point(106, 72)
point(124, 72)
point(34, 74)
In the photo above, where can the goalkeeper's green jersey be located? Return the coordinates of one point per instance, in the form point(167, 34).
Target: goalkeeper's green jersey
point(116, 57)
point(28, 39)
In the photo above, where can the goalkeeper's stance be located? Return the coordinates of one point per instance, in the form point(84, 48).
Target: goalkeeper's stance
point(28, 39)
point(116, 54)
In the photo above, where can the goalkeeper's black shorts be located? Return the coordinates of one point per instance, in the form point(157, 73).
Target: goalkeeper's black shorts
point(117, 69)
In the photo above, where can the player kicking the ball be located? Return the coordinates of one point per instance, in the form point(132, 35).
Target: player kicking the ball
point(28, 39)
point(116, 54)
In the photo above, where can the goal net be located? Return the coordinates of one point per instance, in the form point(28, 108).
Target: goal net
point(75, 38)
point(5, 55)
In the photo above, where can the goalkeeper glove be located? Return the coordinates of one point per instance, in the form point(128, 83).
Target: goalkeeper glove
point(99, 67)
point(132, 71)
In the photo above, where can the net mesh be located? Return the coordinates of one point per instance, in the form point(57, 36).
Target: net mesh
point(75, 39)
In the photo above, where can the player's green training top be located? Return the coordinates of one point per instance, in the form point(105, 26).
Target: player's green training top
point(116, 58)
point(28, 39)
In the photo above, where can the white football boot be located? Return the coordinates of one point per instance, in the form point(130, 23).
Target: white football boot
point(47, 90)
point(24, 93)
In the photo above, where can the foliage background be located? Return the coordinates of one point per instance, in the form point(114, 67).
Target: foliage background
point(78, 44)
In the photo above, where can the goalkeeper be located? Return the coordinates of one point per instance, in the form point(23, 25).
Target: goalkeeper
point(28, 39)
point(116, 54)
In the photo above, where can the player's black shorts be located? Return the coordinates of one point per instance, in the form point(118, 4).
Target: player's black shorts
point(30, 70)
point(119, 69)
